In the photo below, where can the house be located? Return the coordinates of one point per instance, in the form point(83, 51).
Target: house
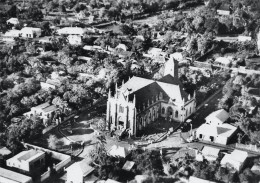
point(75, 39)
point(55, 82)
point(118, 151)
point(140, 101)
point(236, 159)
point(177, 56)
point(28, 161)
point(13, 21)
point(216, 133)
point(31, 32)
point(155, 51)
point(224, 9)
point(217, 117)
point(45, 111)
point(210, 153)
point(72, 31)
point(13, 33)
point(79, 172)
point(223, 61)
point(122, 46)
point(8, 176)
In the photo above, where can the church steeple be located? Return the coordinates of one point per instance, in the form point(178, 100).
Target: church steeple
point(171, 67)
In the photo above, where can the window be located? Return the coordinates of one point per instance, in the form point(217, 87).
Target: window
point(190, 110)
point(121, 109)
point(176, 114)
point(163, 110)
point(200, 136)
point(186, 112)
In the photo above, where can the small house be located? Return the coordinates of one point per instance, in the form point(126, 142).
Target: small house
point(217, 117)
point(75, 39)
point(236, 159)
point(118, 151)
point(13, 21)
point(210, 153)
point(79, 172)
point(224, 9)
point(31, 32)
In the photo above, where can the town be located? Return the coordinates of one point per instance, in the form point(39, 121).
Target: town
point(138, 91)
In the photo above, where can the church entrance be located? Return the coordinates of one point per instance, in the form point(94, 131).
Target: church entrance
point(169, 113)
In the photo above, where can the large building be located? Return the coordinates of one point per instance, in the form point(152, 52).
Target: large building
point(140, 101)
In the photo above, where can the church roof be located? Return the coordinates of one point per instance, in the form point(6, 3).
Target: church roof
point(170, 79)
point(135, 83)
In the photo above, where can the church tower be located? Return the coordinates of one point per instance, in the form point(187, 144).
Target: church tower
point(171, 67)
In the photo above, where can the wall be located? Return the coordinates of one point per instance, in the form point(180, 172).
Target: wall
point(45, 175)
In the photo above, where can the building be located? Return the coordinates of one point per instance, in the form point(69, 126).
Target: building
point(4, 154)
point(140, 101)
point(244, 38)
point(218, 134)
point(27, 161)
point(45, 111)
point(79, 172)
point(13, 33)
point(75, 39)
point(217, 117)
point(236, 159)
point(177, 56)
point(72, 31)
point(224, 9)
point(223, 62)
point(210, 153)
point(7, 176)
point(13, 21)
point(31, 32)
point(118, 151)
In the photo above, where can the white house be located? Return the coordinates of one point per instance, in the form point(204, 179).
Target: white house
point(75, 39)
point(210, 153)
point(27, 161)
point(31, 32)
point(72, 31)
point(236, 159)
point(44, 111)
point(79, 172)
point(177, 56)
point(13, 33)
point(223, 61)
point(154, 51)
point(13, 21)
point(118, 151)
point(217, 117)
point(7, 176)
point(218, 134)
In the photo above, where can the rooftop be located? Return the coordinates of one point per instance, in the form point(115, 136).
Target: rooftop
point(82, 166)
point(225, 130)
point(14, 176)
point(220, 114)
point(28, 155)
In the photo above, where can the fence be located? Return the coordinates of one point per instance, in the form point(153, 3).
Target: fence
point(248, 147)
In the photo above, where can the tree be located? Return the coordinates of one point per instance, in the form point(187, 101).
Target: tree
point(52, 142)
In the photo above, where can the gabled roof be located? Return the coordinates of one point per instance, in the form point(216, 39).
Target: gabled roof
point(225, 130)
point(173, 91)
point(170, 79)
point(118, 151)
point(135, 83)
point(82, 167)
point(220, 114)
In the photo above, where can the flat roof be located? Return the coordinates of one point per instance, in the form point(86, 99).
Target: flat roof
point(27, 155)
point(14, 176)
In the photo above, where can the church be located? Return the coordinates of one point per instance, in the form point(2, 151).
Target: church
point(140, 102)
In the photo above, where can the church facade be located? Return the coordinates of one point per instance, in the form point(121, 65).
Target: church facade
point(140, 102)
